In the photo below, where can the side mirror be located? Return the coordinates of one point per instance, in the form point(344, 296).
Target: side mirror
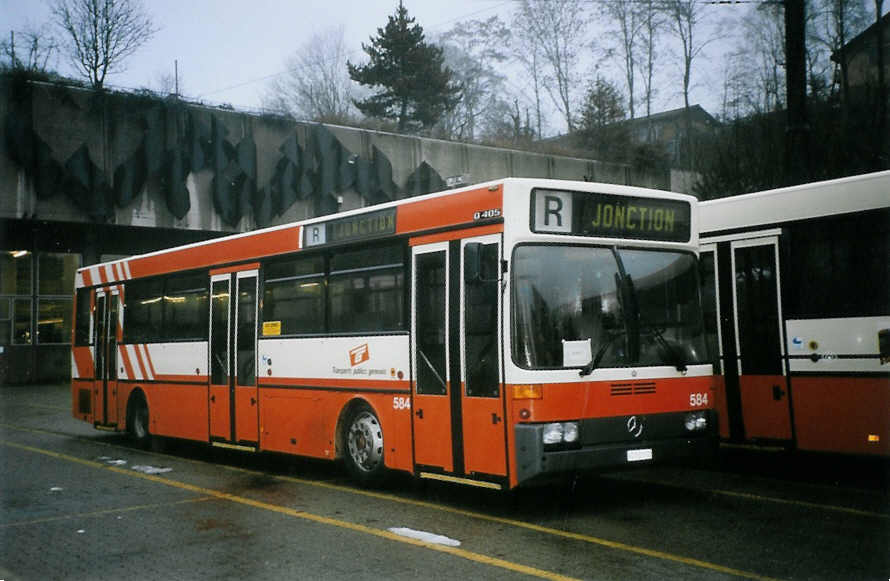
point(473, 262)
point(884, 345)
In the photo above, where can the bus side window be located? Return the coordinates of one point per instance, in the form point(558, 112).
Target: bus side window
point(143, 311)
point(481, 320)
point(82, 318)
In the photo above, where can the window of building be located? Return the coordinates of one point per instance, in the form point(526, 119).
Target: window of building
point(21, 322)
point(54, 320)
point(5, 321)
point(15, 272)
point(15, 297)
point(56, 273)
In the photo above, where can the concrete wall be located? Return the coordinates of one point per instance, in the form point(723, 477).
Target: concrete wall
point(116, 129)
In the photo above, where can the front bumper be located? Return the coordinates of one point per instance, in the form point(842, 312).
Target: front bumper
point(608, 443)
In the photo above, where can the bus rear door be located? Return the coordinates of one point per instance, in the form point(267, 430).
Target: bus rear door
point(107, 329)
point(233, 398)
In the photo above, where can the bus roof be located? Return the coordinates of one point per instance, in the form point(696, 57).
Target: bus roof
point(813, 200)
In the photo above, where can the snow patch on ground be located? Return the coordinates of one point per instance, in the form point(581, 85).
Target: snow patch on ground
point(151, 469)
point(425, 536)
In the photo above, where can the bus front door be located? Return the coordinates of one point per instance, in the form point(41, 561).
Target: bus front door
point(233, 399)
point(107, 329)
point(432, 384)
point(459, 428)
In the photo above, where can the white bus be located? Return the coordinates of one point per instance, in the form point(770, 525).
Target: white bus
point(797, 300)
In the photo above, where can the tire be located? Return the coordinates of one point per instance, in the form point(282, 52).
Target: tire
point(363, 445)
point(137, 422)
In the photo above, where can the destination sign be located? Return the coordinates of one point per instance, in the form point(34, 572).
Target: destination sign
point(611, 216)
point(353, 228)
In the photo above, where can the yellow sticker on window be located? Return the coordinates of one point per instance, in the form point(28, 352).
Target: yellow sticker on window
point(272, 328)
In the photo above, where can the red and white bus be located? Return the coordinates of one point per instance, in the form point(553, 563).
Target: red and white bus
point(798, 305)
point(488, 335)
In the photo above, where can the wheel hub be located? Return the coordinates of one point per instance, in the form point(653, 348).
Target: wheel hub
point(365, 442)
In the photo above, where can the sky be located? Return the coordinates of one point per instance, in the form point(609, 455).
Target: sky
point(228, 51)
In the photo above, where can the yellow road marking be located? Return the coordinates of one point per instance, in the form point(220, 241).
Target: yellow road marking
point(542, 529)
point(481, 516)
point(96, 513)
point(462, 553)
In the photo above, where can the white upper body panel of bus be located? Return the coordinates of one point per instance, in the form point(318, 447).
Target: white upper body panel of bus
point(814, 200)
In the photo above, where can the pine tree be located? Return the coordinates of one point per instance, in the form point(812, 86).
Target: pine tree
point(416, 89)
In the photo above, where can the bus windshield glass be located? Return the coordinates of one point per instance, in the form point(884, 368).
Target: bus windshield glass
point(590, 307)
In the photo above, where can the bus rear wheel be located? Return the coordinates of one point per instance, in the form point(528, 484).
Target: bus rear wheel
point(137, 421)
point(363, 452)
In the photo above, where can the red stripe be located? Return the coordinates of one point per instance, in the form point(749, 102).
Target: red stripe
point(150, 364)
point(128, 365)
point(140, 361)
point(183, 378)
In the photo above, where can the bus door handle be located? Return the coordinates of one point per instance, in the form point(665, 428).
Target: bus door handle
point(778, 393)
point(419, 413)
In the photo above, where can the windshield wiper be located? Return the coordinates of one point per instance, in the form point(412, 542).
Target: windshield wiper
point(598, 357)
point(679, 362)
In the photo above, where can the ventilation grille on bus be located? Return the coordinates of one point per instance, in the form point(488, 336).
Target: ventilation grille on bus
point(633, 388)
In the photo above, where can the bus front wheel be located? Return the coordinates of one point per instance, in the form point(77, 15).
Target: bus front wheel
point(363, 452)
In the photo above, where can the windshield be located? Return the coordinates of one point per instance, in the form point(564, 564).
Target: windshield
point(582, 306)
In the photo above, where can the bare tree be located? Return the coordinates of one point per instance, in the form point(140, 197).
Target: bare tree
point(684, 18)
point(316, 85)
point(528, 53)
point(836, 22)
point(629, 18)
point(557, 28)
point(763, 40)
point(169, 82)
point(650, 29)
point(30, 50)
point(473, 50)
point(101, 34)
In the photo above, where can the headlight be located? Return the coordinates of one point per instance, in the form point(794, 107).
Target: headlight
point(552, 434)
point(570, 432)
point(560, 433)
point(696, 421)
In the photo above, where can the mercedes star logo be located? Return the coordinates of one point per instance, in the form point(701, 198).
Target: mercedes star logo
point(635, 426)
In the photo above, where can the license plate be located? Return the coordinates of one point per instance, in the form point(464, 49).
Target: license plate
point(639, 455)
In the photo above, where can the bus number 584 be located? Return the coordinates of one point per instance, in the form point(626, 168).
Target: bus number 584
point(698, 399)
point(401, 403)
